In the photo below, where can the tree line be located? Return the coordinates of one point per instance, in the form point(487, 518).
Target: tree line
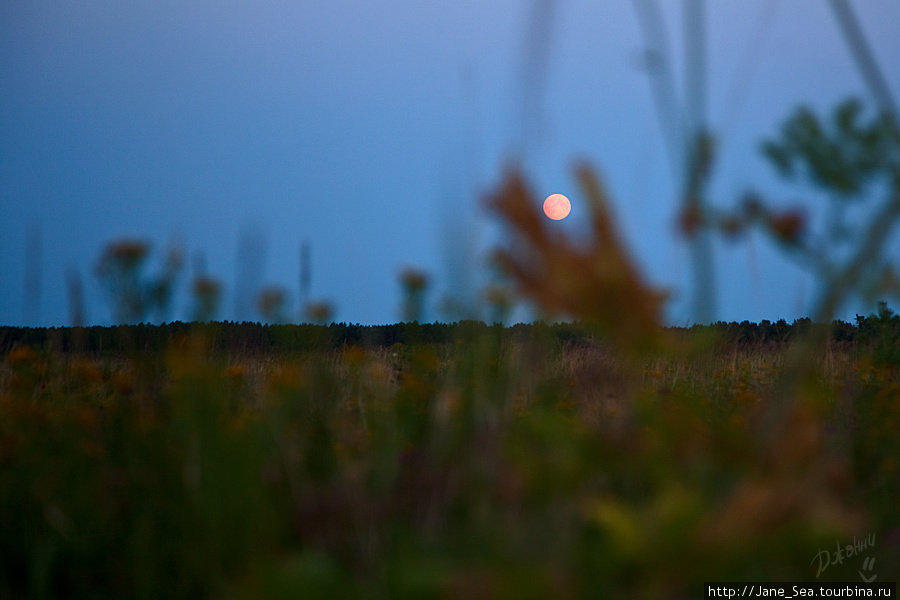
point(880, 328)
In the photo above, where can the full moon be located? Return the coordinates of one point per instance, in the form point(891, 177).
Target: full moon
point(557, 207)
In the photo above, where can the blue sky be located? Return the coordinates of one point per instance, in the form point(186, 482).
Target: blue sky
point(371, 131)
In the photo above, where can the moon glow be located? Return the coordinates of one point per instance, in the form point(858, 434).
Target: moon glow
point(557, 207)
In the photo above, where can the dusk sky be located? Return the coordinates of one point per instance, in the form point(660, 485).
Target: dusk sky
point(371, 131)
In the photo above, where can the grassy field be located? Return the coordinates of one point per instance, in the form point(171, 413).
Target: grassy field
point(466, 461)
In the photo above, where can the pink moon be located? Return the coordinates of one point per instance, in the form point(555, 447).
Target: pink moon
point(557, 207)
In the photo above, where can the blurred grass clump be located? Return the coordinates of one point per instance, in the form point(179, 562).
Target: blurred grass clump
point(603, 456)
point(468, 460)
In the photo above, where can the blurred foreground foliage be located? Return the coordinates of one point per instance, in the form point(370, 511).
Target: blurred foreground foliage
point(448, 460)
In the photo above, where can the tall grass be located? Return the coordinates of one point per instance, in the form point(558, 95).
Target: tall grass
point(491, 465)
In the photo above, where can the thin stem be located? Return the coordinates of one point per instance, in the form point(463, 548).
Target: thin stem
point(662, 84)
point(865, 58)
point(698, 157)
point(876, 235)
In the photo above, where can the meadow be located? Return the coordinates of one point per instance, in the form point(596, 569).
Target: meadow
point(226, 460)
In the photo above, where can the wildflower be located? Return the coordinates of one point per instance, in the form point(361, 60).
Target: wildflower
point(787, 226)
point(598, 283)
